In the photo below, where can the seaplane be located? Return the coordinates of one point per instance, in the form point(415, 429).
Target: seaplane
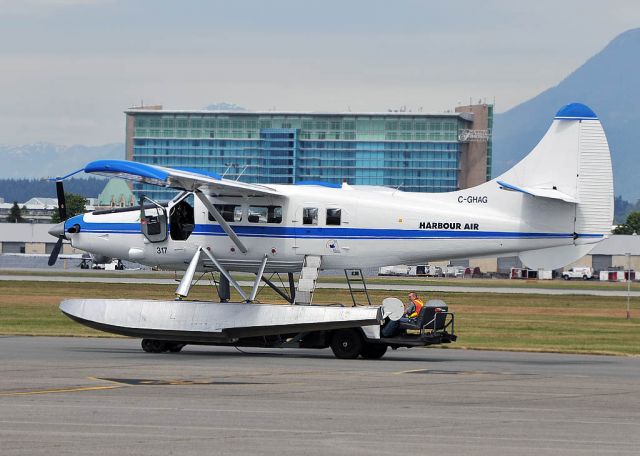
point(550, 209)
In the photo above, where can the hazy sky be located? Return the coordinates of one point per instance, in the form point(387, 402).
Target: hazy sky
point(70, 67)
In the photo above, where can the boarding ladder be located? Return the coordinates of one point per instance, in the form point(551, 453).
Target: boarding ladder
point(357, 285)
point(307, 280)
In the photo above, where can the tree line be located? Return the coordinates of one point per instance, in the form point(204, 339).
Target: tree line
point(21, 190)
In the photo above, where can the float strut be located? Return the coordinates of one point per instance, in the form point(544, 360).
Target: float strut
point(225, 273)
point(185, 284)
point(256, 284)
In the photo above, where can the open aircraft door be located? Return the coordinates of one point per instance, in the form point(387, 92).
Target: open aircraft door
point(154, 223)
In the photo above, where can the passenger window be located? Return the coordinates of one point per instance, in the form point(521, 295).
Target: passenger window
point(333, 216)
point(310, 216)
point(229, 212)
point(265, 214)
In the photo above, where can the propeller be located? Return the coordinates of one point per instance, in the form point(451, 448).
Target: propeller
point(55, 252)
point(62, 202)
point(58, 230)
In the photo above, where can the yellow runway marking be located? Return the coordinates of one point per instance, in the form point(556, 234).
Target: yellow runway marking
point(445, 372)
point(62, 390)
point(98, 379)
point(407, 371)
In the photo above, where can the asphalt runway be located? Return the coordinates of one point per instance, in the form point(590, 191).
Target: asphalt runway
point(78, 396)
point(428, 287)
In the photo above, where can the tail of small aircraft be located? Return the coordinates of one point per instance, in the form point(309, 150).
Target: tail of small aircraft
point(571, 164)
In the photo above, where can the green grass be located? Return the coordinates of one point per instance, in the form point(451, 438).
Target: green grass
point(148, 274)
point(576, 324)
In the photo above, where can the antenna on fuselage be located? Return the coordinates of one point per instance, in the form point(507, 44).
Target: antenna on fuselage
point(242, 172)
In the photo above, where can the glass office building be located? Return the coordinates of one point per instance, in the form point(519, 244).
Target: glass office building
point(415, 152)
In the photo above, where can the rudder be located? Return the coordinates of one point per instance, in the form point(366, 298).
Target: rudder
point(573, 160)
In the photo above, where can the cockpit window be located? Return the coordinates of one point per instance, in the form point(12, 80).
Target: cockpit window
point(265, 214)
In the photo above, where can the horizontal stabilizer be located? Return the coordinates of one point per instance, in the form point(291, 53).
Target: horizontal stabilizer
point(550, 193)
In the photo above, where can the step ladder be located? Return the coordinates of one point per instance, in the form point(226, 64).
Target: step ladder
point(357, 285)
point(307, 280)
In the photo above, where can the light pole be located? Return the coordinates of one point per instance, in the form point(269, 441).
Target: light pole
point(628, 285)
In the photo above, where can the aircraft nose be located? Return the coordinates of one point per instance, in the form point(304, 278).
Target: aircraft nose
point(57, 230)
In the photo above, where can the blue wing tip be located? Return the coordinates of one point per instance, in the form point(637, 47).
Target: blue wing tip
point(576, 111)
point(319, 183)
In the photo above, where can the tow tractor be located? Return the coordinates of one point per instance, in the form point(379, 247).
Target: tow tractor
point(350, 331)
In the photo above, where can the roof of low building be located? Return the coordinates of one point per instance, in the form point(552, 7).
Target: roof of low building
point(618, 244)
point(46, 203)
point(464, 115)
point(37, 202)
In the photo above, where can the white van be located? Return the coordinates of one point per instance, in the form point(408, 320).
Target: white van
point(578, 272)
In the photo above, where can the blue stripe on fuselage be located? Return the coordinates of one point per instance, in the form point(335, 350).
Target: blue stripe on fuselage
point(333, 233)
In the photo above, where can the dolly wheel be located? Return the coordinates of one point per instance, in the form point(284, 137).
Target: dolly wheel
point(373, 351)
point(346, 343)
point(175, 348)
point(154, 346)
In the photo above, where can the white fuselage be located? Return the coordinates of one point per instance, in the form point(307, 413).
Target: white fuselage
point(376, 227)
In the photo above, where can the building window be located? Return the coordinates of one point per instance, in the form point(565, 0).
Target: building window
point(265, 214)
point(310, 216)
point(333, 216)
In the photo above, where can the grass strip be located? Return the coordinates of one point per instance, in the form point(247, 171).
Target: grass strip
point(571, 324)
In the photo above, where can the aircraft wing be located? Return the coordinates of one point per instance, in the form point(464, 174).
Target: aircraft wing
point(184, 178)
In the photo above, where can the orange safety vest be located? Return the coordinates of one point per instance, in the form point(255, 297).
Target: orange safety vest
point(416, 312)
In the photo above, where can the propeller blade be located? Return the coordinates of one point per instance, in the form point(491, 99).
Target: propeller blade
point(55, 252)
point(62, 203)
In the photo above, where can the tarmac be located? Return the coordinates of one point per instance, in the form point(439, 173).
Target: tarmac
point(101, 396)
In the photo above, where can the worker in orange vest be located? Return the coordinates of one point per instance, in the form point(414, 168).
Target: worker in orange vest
point(411, 310)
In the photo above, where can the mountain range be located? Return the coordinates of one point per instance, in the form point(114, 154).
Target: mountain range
point(49, 160)
point(608, 83)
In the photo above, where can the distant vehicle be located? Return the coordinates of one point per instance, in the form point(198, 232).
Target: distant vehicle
point(111, 265)
point(398, 270)
point(404, 270)
point(579, 272)
point(433, 271)
point(454, 271)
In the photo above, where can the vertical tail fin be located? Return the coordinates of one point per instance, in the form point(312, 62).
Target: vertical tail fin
point(572, 160)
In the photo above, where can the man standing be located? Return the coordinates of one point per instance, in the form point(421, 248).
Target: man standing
point(411, 311)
